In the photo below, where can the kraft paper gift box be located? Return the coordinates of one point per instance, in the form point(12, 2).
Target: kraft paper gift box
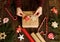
point(33, 22)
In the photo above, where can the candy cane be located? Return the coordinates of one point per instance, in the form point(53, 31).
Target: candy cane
point(14, 18)
point(46, 25)
point(41, 24)
point(46, 18)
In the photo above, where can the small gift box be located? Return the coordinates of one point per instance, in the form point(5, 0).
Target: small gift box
point(30, 20)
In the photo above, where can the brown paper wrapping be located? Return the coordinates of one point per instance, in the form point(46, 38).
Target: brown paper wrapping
point(40, 37)
point(35, 37)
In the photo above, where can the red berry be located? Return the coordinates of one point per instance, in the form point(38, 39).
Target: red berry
point(27, 18)
point(18, 30)
point(51, 36)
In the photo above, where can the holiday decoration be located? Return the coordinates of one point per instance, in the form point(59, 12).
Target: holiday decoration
point(35, 37)
point(51, 36)
point(2, 35)
point(33, 20)
point(9, 13)
point(21, 37)
point(40, 37)
point(6, 32)
point(27, 18)
point(18, 29)
point(27, 35)
point(45, 19)
point(54, 10)
point(36, 29)
point(5, 20)
point(42, 32)
point(41, 24)
point(47, 25)
point(54, 24)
